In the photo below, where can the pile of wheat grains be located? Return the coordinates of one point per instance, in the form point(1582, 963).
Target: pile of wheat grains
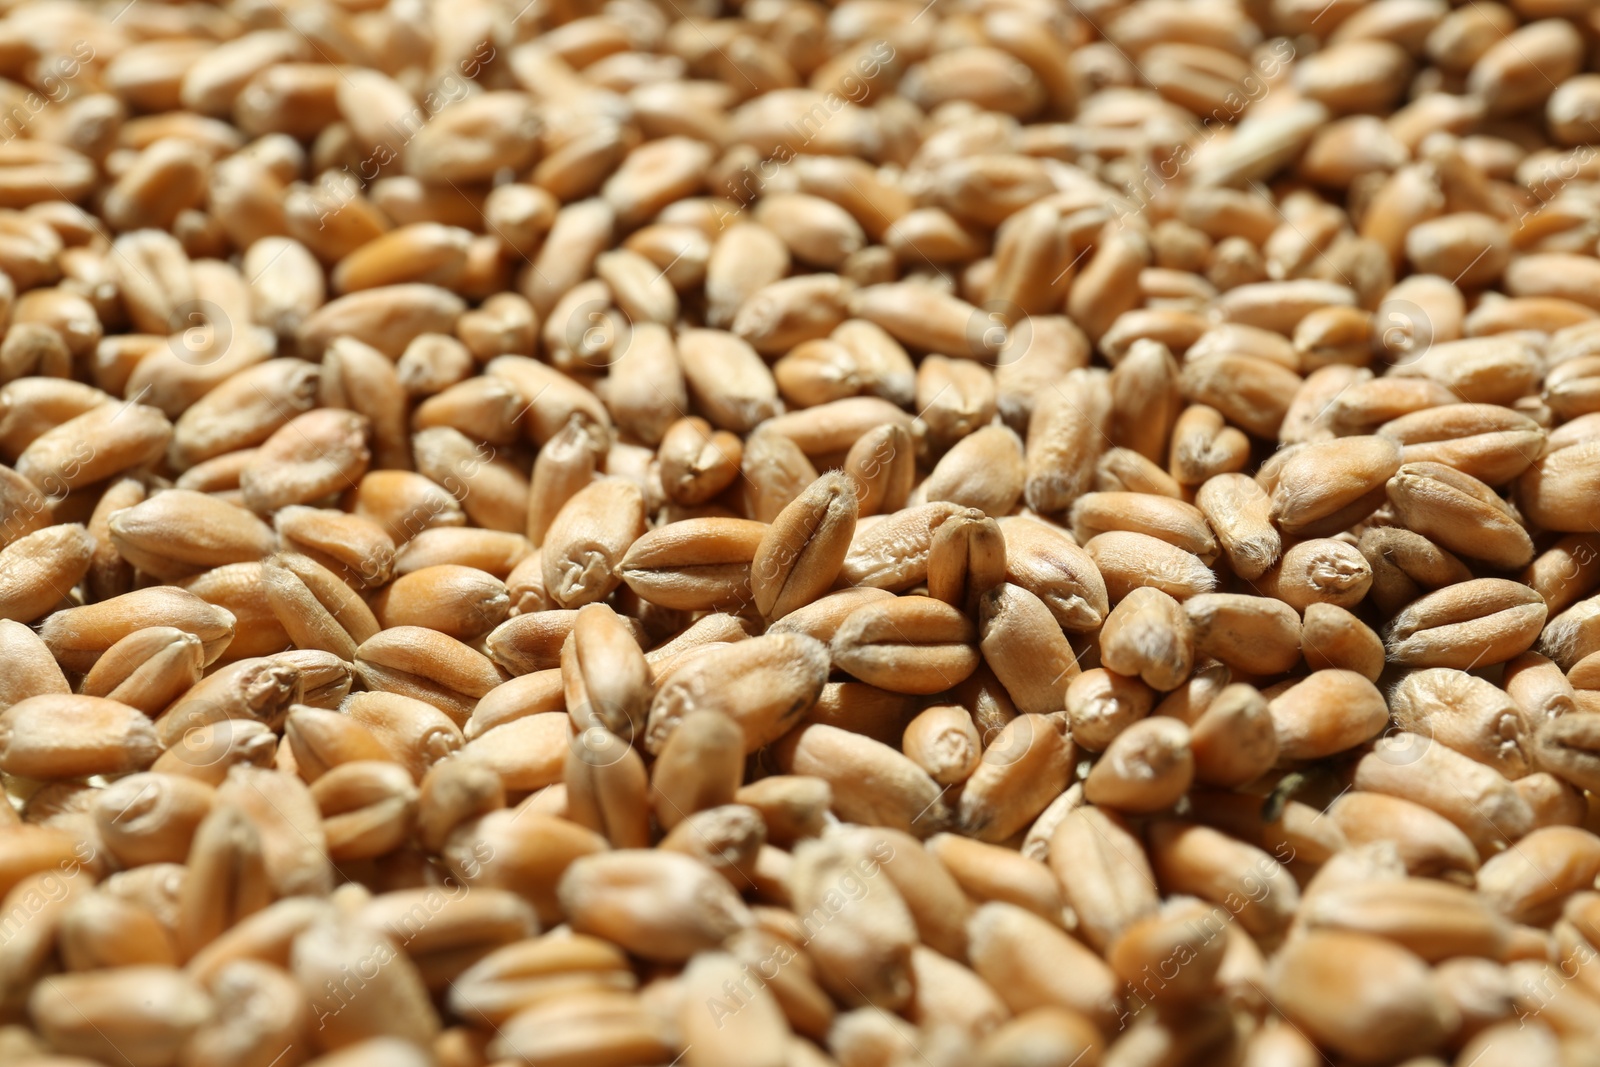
point(988, 533)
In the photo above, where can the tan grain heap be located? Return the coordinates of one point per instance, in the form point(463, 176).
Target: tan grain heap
point(800, 533)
